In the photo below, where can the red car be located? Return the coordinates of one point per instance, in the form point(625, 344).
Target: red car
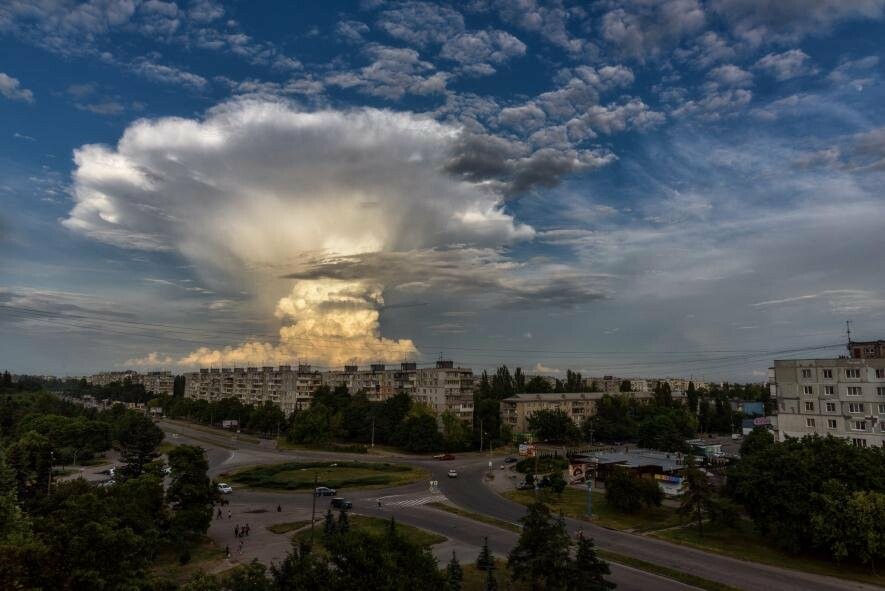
point(444, 457)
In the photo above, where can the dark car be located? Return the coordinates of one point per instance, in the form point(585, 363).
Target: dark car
point(324, 491)
point(510, 460)
point(444, 457)
point(340, 503)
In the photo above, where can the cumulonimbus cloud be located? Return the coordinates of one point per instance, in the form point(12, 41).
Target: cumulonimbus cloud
point(256, 185)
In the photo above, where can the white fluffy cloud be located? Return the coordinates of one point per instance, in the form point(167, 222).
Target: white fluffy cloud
point(255, 185)
point(12, 89)
point(786, 65)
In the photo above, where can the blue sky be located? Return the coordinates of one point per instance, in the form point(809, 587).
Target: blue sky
point(642, 187)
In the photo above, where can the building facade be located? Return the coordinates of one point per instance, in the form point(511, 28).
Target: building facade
point(290, 389)
point(445, 387)
point(378, 382)
point(843, 397)
point(160, 383)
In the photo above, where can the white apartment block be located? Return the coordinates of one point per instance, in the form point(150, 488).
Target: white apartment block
point(841, 397)
point(446, 388)
point(378, 382)
point(159, 382)
point(290, 389)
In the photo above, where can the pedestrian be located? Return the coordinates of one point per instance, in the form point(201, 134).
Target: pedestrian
point(220, 515)
point(379, 502)
point(228, 513)
point(237, 531)
point(247, 529)
point(279, 508)
point(227, 552)
point(240, 549)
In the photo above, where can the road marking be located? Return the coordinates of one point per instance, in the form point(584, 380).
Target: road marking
point(418, 501)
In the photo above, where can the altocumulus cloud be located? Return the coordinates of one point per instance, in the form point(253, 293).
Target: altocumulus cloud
point(255, 186)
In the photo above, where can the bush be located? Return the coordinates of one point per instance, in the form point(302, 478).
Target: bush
point(628, 493)
point(557, 483)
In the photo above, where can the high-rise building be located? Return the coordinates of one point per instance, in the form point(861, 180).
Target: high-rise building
point(843, 397)
point(160, 383)
point(445, 387)
point(290, 389)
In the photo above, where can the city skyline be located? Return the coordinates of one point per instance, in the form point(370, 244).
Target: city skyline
point(630, 188)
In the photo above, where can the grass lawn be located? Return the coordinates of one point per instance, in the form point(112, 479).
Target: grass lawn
point(337, 475)
point(375, 526)
point(476, 516)
point(165, 447)
point(205, 554)
point(351, 448)
point(745, 544)
point(573, 503)
point(286, 527)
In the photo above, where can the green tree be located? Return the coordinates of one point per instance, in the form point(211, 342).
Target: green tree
point(29, 458)
point(329, 527)
point(537, 385)
point(574, 382)
point(419, 434)
point(491, 578)
point(697, 495)
point(626, 386)
point(614, 419)
point(541, 556)
point(589, 572)
point(138, 437)
point(191, 494)
point(553, 426)
point(628, 493)
point(661, 432)
point(691, 396)
point(485, 559)
point(518, 381)
point(454, 574)
point(758, 441)
point(457, 433)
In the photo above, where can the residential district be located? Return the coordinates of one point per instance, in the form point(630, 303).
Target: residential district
point(288, 478)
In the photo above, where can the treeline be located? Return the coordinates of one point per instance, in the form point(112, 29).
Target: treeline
point(124, 391)
point(264, 419)
point(816, 494)
point(74, 535)
point(336, 415)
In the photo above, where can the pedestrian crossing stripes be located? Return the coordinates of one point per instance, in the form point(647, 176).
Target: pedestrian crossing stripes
point(418, 502)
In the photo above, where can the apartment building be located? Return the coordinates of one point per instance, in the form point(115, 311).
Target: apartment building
point(612, 384)
point(843, 397)
point(160, 383)
point(516, 410)
point(378, 382)
point(290, 389)
point(445, 387)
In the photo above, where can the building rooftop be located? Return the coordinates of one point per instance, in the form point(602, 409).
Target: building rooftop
point(637, 458)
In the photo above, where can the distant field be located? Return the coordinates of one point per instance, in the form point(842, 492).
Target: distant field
point(338, 475)
point(375, 526)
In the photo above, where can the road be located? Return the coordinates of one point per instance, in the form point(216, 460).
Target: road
point(470, 492)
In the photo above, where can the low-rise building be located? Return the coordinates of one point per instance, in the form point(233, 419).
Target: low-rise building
point(843, 397)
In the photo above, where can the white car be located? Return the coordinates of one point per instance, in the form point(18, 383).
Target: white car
point(453, 473)
point(224, 489)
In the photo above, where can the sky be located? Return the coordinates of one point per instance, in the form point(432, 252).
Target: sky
point(638, 187)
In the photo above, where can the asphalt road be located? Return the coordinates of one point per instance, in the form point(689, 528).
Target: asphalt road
point(470, 492)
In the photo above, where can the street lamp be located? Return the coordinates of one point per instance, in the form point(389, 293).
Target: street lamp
point(589, 496)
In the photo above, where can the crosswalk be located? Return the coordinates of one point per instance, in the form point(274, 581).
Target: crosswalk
point(416, 502)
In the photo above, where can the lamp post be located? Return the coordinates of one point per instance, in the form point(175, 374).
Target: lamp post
point(590, 496)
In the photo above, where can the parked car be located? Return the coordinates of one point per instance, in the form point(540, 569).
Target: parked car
point(324, 491)
point(444, 457)
point(524, 486)
point(225, 488)
point(453, 473)
point(510, 460)
point(167, 470)
point(340, 503)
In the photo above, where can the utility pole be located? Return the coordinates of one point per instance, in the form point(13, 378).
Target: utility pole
point(373, 432)
point(313, 509)
point(480, 435)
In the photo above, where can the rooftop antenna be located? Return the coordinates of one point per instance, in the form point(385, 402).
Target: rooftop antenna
point(848, 330)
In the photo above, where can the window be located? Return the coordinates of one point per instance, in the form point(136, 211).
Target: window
point(855, 407)
point(809, 423)
point(808, 390)
point(882, 426)
point(831, 407)
point(858, 425)
point(855, 390)
point(880, 391)
point(830, 390)
point(882, 409)
point(828, 374)
point(831, 423)
point(880, 373)
point(852, 373)
point(806, 374)
point(859, 442)
point(809, 406)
